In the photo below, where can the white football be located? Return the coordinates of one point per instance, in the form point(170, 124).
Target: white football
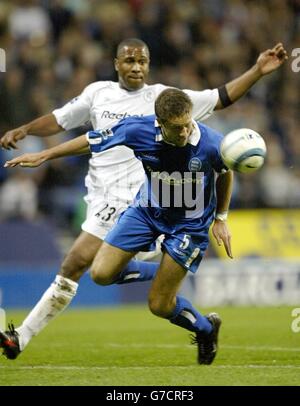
point(243, 150)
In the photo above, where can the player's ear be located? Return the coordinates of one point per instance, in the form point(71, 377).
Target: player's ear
point(116, 61)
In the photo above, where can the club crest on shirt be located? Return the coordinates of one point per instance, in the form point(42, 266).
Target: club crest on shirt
point(149, 96)
point(195, 165)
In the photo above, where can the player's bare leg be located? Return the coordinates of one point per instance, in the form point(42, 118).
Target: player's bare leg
point(164, 288)
point(164, 302)
point(108, 263)
point(56, 298)
point(61, 292)
point(80, 256)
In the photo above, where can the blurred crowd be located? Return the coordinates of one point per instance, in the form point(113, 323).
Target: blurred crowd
point(54, 48)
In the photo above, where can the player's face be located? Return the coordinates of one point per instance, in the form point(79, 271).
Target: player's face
point(132, 65)
point(177, 130)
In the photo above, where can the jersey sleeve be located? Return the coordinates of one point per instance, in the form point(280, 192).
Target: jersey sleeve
point(204, 102)
point(101, 140)
point(130, 132)
point(77, 111)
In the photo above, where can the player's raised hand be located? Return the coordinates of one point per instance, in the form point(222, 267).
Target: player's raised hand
point(27, 160)
point(221, 233)
point(272, 59)
point(10, 138)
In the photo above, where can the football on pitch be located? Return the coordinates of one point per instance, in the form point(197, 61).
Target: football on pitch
point(243, 150)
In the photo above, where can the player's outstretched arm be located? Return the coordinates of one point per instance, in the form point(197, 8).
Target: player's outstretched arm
point(267, 62)
point(42, 127)
point(77, 146)
point(220, 229)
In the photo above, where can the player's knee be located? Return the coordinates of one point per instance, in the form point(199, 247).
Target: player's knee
point(159, 306)
point(101, 276)
point(74, 265)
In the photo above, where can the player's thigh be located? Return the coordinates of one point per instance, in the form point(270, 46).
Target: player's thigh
point(81, 255)
point(109, 262)
point(167, 282)
point(131, 234)
point(133, 231)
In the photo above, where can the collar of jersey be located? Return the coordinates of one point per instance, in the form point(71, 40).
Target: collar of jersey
point(133, 91)
point(194, 138)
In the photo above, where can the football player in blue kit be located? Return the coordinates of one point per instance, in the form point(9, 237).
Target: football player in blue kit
point(176, 151)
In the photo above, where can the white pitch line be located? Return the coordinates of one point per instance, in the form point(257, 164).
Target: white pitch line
point(229, 347)
point(260, 348)
point(104, 368)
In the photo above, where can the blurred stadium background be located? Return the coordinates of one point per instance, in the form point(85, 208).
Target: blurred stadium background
point(56, 48)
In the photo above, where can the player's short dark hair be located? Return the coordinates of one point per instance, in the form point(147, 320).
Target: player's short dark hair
point(132, 42)
point(172, 103)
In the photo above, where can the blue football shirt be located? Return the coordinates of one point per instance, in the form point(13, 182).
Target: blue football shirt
point(180, 181)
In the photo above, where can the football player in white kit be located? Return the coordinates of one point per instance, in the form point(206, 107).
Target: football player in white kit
point(115, 177)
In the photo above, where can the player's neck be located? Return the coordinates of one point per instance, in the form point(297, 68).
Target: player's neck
point(127, 89)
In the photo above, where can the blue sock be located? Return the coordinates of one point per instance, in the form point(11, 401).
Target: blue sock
point(186, 316)
point(138, 271)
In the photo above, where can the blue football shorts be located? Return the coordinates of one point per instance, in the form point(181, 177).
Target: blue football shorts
point(138, 227)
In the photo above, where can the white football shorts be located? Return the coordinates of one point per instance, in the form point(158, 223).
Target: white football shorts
point(101, 216)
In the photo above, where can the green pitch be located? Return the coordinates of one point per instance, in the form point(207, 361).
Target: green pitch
point(129, 346)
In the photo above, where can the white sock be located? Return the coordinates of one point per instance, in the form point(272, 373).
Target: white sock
point(56, 298)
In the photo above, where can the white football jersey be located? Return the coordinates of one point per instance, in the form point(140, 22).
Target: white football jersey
point(116, 173)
